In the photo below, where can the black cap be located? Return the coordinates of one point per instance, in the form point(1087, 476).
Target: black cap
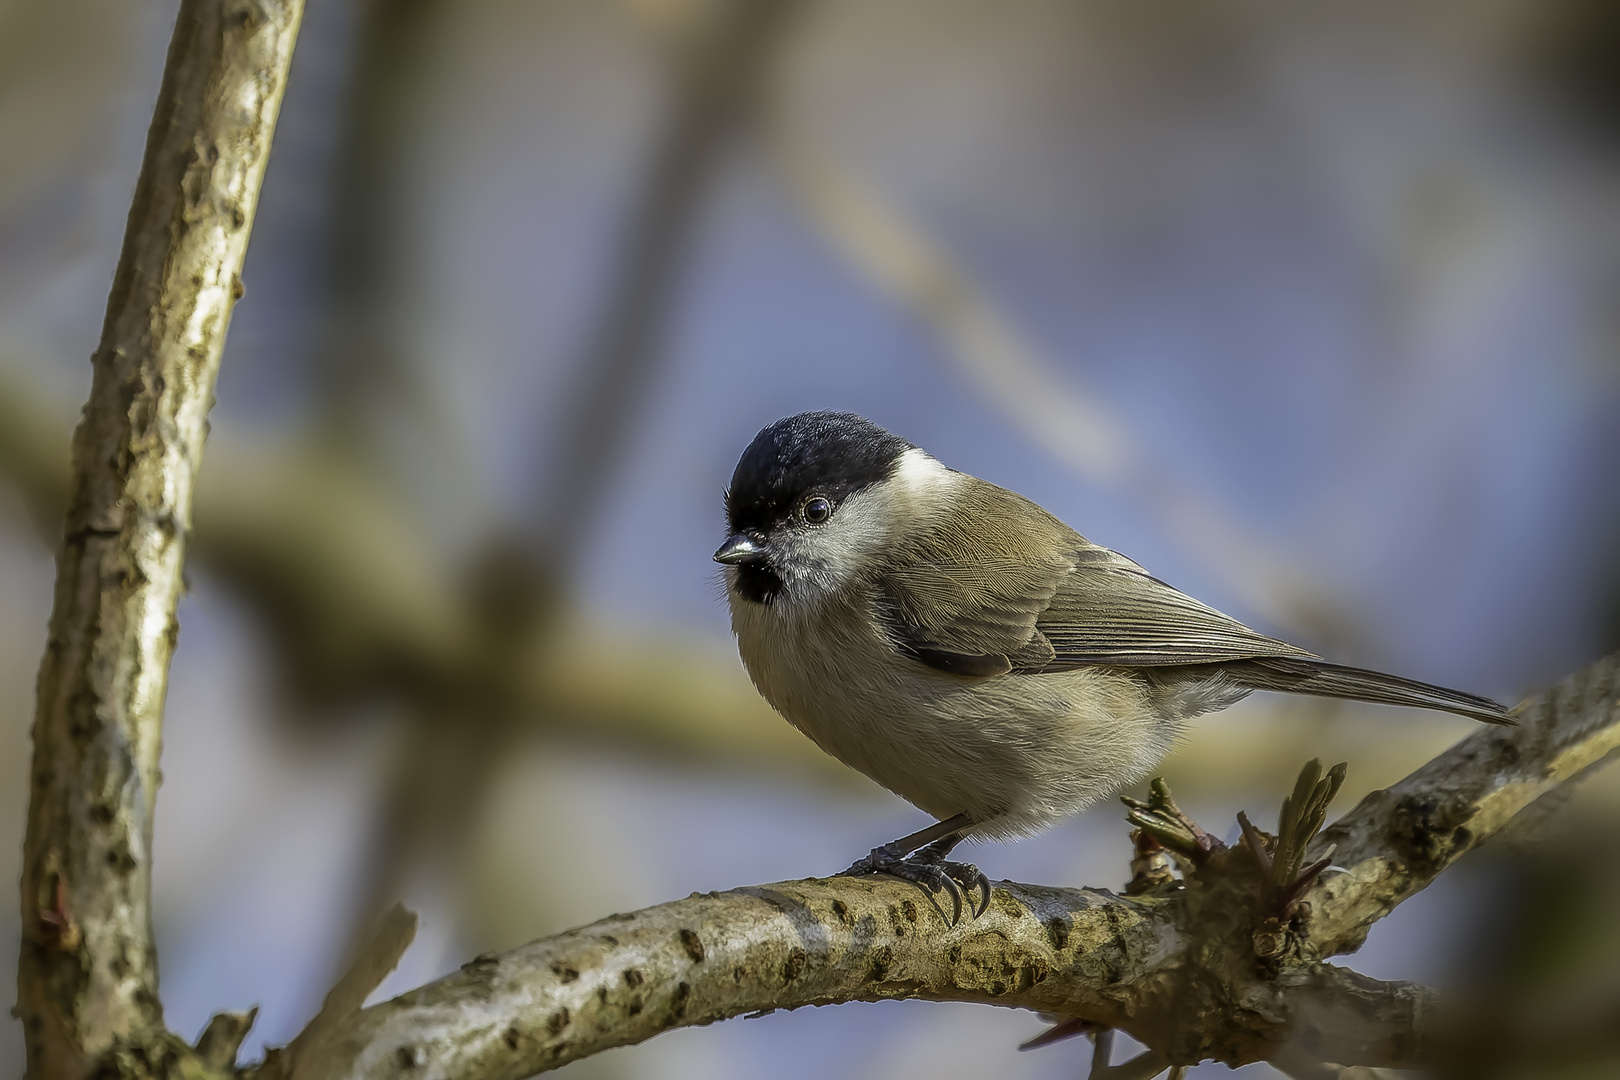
point(831, 454)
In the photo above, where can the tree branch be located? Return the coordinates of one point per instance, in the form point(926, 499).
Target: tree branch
point(1181, 969)
point(87, 980)
point(1399, 839)
point(817, 942)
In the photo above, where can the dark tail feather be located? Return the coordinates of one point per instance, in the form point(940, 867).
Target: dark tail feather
point(1332, 680)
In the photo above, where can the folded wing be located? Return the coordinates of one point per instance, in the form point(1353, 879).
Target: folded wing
point(1005, 586)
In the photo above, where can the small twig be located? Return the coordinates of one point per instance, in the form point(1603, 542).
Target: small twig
point(303, 1057)
point(1257, 844)
point(1102, 1051)
point(221, 1040)
point(1150, 864)
point(1283, 878)
point(1301, 819)
point(1064, 1029)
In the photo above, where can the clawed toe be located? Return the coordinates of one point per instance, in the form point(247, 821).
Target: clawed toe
point(933, 875)
point(933, 878)
point(974, 878)
point(920, 859)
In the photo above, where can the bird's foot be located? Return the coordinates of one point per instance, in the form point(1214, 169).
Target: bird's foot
point(932, 872)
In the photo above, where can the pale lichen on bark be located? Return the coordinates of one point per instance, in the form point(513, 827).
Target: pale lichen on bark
point(87, 979)
point(717, 955)
point(1074, 952)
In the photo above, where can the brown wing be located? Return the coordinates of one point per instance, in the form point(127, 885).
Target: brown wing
point(1111, 611)
point(964, 596)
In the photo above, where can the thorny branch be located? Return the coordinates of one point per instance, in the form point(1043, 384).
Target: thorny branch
point(1222, 966)
point(87, 979)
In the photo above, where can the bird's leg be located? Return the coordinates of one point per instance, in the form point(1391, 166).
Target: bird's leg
point(920, 858)
point(895, 851)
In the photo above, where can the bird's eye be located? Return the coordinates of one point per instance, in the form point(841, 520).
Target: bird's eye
point(816, 510)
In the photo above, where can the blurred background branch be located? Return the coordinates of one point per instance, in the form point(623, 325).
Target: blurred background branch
point(333, 567)
point(911, 269)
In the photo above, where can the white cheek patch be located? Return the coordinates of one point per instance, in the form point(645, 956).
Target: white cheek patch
point(859, 528)
point(822, 559)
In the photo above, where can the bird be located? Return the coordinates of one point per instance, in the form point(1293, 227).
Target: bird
point(969, 651)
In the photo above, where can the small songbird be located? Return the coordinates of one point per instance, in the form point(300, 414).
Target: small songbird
point(969, 651)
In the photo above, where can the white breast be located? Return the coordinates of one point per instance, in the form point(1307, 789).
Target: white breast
point(1017, 752)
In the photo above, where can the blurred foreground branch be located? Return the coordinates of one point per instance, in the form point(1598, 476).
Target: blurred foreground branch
point(1223, 966)
point(87, 988)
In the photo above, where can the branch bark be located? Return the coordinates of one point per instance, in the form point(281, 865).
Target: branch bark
point(87, 979)
point(1180, 969)
point(818, 942)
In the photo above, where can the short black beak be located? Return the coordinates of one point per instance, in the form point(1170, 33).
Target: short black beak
point(740, 548)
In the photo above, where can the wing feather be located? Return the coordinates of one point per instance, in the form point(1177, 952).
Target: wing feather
point(1121, 615)
point(974, 601)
